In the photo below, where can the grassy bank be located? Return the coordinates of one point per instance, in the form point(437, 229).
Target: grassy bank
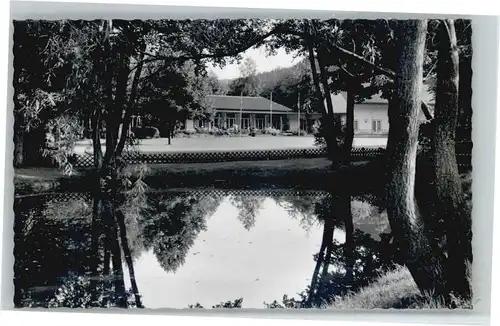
point(394, 289)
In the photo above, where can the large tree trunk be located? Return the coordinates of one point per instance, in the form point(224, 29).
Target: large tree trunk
point(349, 127)
point(451, 201)
point(420, 255)
point(464, 127)
point(330, 116)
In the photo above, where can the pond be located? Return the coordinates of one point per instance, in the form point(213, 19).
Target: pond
point(192, 249)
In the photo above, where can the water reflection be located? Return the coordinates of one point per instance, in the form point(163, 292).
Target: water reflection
point(182, 249)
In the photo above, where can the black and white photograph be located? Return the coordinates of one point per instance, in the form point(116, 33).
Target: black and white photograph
point(243, 163)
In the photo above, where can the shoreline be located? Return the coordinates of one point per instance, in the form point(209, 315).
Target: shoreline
point(299, 174)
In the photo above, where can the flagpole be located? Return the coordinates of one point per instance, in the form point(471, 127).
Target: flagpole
point(298, 110)
point(241, 109)
point(271, 107)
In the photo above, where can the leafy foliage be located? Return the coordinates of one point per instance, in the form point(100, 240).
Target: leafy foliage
point(62, 133)
point(77, 292)
point(237, 303)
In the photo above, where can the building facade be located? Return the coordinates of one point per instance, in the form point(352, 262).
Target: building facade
point(246, 112)
point(371, 118)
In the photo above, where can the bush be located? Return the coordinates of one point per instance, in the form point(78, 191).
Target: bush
point(189, 132)
point(146, 132)
point(199, 130)
point(272, 131)
point(319, 136)
point(219, 132)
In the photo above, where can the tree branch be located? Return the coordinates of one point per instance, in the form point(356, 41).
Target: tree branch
point(341, 66)
point(332, 47)
point(431, 70)
point(217, 54)
point(387, 72)
point(427, 111)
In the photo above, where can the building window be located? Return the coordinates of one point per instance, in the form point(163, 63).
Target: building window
point(230, 120)
point(276, 122)
point(356, 127)
point(245, 123)
point(260, 122)
point(376, 125)
point(218, 120)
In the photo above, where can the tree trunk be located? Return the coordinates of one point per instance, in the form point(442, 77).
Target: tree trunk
point(326, 241)
point(319, 101)
point(349, 126)
point(328, 258)
point(105, 272)
point(317, 268)
point(18, 147)
point(128, 257)
point(169, 133)
point(131, 102)
point(95, 254)
point(451, 201)
point(121, 298)
point(349, 239)
point(422, 259)
point(330, 116)
point(96, 139)
point(121, 96)
point(110, 104)
point(463, 135)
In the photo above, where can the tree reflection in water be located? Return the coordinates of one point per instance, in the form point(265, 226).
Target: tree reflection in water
point(83, 243)
point(341, 267)
point(69, 252)
point(78, 251)
point(176, 221)
point(248, 208)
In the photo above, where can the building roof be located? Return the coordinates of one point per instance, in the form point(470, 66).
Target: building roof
point(250, 103)
point(339, 100)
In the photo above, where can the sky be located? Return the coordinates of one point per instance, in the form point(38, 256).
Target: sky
point(281, 59)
